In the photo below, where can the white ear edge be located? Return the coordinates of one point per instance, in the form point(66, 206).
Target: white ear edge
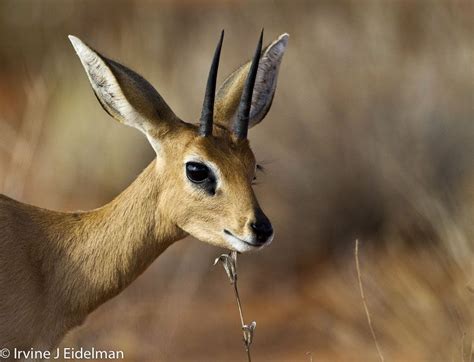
point(105, 85)
point(277, 48)
point(267, 76)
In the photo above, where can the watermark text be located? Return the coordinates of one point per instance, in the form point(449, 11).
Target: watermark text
point(65, 353)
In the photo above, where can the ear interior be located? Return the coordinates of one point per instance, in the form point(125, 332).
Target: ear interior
point(267, 76)
point(123, 93)
point(228, 95)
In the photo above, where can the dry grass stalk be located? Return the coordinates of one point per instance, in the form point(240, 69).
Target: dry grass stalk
point(27, 139)
point(7, 133)
point(229, 261)
point(367, 313)
point(462, 346)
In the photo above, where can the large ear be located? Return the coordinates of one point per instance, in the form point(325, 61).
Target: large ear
point(124, 94)
point(228, 95)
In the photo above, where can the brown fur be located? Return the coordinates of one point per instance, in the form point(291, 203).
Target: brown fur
point(61, 266)
point(56, 268)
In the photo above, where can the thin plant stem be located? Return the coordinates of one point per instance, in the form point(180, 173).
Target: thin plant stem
point(472, 350)
point(229, 261)
point(241, 314)
point(462, 346)
point(367, 313)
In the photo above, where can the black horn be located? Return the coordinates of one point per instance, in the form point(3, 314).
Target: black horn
point(207, 114)
point(241, 125)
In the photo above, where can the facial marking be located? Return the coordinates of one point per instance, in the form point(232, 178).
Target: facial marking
point(224, 216)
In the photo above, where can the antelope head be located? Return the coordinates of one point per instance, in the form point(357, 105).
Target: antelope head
point(204, 171)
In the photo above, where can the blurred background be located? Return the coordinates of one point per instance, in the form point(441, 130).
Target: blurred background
point(370, 137)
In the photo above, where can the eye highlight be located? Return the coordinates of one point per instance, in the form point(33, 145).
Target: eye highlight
point(197, 172)
point(200, 175)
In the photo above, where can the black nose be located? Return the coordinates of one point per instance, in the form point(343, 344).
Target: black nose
point(262, 228)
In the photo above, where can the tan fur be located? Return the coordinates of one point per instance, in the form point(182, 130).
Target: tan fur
point(61, 266)
point(56, 268)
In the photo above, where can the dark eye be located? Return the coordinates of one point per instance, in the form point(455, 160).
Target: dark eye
point(197, 172)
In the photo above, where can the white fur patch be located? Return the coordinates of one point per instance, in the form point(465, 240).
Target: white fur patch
point(105, 85)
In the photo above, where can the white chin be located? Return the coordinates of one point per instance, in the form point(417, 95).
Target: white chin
point(239, 245)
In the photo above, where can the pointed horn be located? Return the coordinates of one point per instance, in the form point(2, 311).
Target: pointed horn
point(207, 114)
point(241, 125)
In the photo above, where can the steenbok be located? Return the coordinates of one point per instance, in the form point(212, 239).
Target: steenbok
point(56, 268)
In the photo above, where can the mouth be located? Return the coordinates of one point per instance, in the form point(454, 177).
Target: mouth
point(248, 244)
point(253, 245)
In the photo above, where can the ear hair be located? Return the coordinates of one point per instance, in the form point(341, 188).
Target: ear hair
point(124, 94)
point(267, 77)
point(228, 95)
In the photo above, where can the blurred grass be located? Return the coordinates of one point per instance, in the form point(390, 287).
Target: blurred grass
point(370, 136)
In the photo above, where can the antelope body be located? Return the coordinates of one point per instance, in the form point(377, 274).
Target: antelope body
point(56, 268)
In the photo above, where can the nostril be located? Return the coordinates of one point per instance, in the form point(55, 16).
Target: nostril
point(263, 230)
